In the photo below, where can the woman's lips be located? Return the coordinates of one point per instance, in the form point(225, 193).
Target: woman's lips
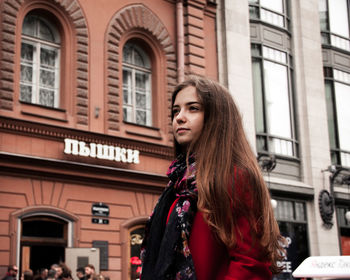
point(181, 130)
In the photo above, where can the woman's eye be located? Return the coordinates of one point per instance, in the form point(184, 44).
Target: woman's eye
point(194, 108)
point(175, 111)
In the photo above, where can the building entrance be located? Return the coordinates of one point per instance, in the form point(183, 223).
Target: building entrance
point(43, 242)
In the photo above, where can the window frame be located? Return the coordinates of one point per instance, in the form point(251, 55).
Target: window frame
point(327, 36)
point(266, 135)
point(331, 79)
point(295, 221)
point(37, 67)
point(134, 69)
point(255, 12)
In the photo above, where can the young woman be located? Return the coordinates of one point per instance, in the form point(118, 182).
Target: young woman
point(214, 220)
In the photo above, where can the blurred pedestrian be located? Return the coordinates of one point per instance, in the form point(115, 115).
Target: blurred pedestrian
point(28, 275)
point(80, 273)
point(51, 274)
point(11, 274)
point(89, 271)
point(58, 270)
point(42, 275)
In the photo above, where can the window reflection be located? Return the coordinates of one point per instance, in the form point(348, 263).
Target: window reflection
point(136, 238)
point(292, 222)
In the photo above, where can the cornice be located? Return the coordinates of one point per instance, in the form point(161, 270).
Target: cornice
point(58, 133)
point(76, 172)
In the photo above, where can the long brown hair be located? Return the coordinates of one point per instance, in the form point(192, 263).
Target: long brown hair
point(221, 148)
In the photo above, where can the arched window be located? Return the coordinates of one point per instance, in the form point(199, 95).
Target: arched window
point(40, 62)
point(137, 99)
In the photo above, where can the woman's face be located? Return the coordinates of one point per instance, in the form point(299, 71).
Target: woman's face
point(188, 117)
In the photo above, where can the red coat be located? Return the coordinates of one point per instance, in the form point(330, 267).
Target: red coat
point(212, 260)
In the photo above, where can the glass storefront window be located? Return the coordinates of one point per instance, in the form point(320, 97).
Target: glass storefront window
point(136, 237)
point(344, 229)
point(292, 221)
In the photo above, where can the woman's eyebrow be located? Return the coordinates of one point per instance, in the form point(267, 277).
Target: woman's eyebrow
point(188, 103)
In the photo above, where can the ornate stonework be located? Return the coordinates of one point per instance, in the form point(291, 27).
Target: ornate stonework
point(72, 10)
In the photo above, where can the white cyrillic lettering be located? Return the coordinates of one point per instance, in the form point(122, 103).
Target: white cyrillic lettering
point(100, 151)
point(92, 150)
point(133, 156)
point(83, 150)
point(71, 146)
point(123, 154)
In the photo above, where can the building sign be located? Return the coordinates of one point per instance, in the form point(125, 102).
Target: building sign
point(324, 266)
point(100, 209)
point(80, 148)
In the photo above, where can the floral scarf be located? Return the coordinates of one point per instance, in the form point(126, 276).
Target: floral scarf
point(165, 253)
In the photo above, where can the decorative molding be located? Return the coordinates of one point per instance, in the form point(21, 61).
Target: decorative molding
point(57, 133)
point(74, 13)
point(134, 17)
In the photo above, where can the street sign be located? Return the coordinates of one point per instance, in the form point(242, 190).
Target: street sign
point(100, 209)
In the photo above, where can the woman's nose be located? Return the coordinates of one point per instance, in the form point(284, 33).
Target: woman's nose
point(180, 117)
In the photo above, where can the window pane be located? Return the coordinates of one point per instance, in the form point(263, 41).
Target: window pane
point(322, 4)
point(300, 214)
point(275, 55)
point(127, 53)
point(141, 81)
point(280, 146)
point(140, 100)
point(127, 93)
point(258, 97)
point(47, 78)
point(138, 60)
point(261, 143)
point(277, 99)
point(271, 17)
point(141, 117)
point(284, 210)
point(342, 95)
point(275, 5)
point(253, 12)
point(345, 159)
point(45, 32)
point(331, 115)
point(27, 51)
point(127, 116)
point(48, 57)
point(28, 27)
point(26, 73)
point(26, 93)
point(339, 17)
point(47, 97)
